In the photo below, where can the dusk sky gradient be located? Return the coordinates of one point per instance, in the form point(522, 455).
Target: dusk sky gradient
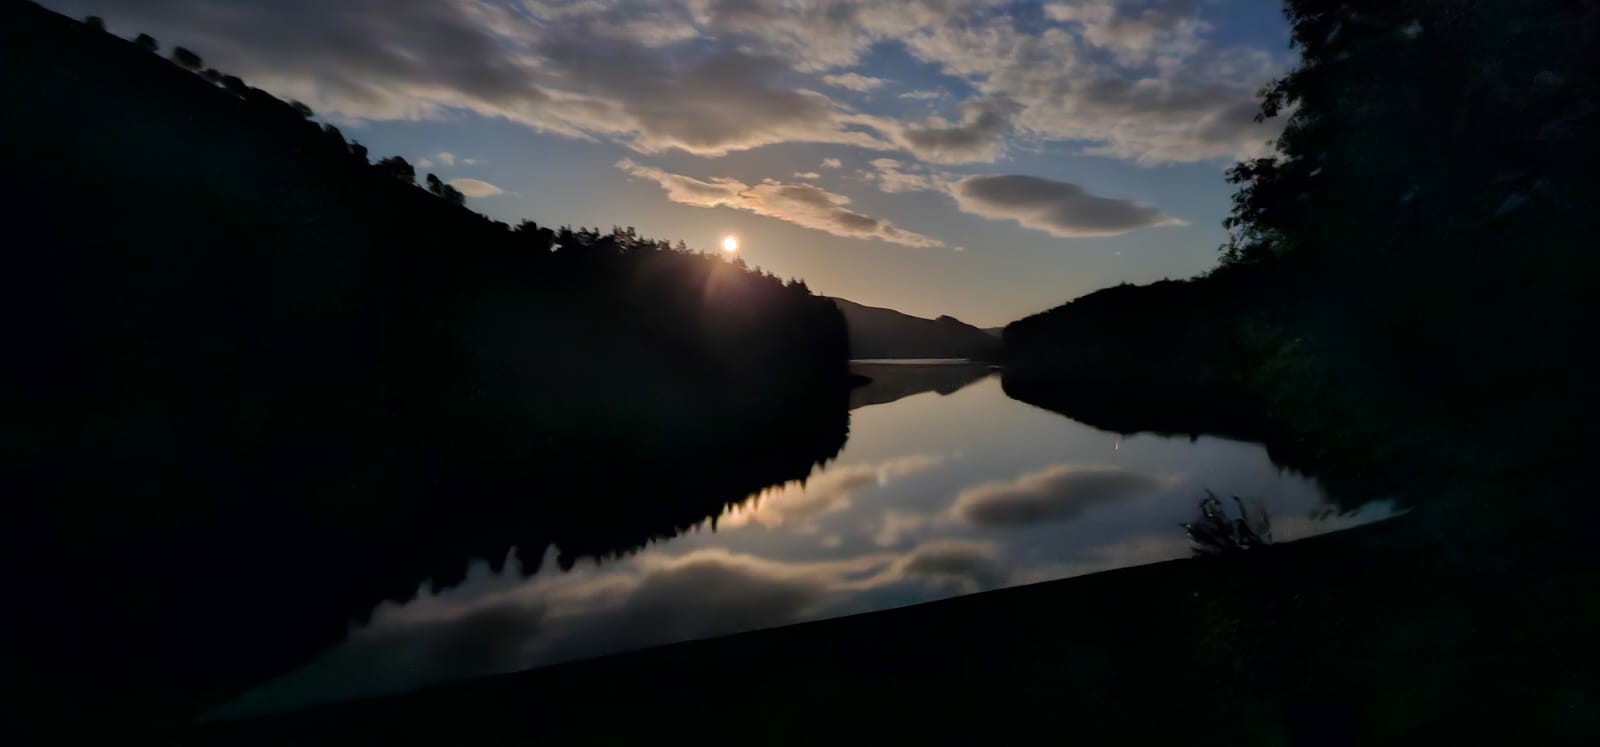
point(985, 160)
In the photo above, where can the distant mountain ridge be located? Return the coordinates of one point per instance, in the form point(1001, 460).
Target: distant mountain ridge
point(885, 333)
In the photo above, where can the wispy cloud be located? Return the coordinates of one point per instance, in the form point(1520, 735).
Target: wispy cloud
point(854, 81)
point(892, 175)
point(830, 492)
point(801, 204)
point(1145, 80)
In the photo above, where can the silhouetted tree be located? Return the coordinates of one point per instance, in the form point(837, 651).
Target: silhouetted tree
point(186, 58)
point(236, 86)
point(536, 238)
point(334, 135)
point(359, 151)
point(213, 75)
point(301, 109)
point(147, 43)
point(397, 168)
point(95, 22)
point(452, 195)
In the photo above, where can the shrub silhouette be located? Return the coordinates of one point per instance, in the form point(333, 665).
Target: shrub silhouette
point(396, 167)
point(186, 58)
point(1218, 532)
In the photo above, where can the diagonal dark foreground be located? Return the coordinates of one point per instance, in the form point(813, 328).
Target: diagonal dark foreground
point(1374, 636)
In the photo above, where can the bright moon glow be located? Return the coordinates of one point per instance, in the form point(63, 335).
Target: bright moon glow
point(730, 244)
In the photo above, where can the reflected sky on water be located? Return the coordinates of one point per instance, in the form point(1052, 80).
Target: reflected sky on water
point(934, 495)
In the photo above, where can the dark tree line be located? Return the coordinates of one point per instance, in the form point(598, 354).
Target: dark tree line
point(1409, 279)
point(238, 349)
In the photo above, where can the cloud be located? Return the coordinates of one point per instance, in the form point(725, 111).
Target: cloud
point(1057, 208)
point(804, 205)
point(505, 622)
point(854, 81)
point(426, 163)
point(731, 593)
point(1134, 30)
point(807, 175)
point(829, 492)
point(476, 187)
point(921, 95)
point(446, 158)
point(572, 71)
point(1053, 494)
point(972, 566)
point(1144, 80)
point(896, 526)
point(897, 176)
point(470, 161)
point(508, 623)
point(978, 136)
point(831, 163)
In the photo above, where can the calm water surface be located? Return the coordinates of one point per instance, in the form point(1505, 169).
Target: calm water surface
point(936, 494)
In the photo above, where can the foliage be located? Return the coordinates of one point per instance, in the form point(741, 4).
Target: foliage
point(186, 58)
point(396, 167)
point(1413, 269)
point(1218, 532)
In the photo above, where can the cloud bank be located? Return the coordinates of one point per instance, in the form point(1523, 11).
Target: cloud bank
point(1144, 80)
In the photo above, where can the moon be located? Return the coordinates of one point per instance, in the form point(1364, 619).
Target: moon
point(730, 244)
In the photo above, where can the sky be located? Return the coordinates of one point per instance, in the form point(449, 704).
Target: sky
point(981, 159)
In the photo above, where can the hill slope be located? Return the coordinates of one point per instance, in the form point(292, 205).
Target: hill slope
point(235, 345)
point(885, 333)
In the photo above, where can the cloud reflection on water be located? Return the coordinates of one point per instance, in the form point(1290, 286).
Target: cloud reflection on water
point(898, 519)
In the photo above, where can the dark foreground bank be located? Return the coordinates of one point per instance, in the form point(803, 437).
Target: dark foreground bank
point(1428, 627)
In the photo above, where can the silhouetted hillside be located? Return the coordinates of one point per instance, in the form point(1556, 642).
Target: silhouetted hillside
point(1174, 332)
point(886, 333)
point(895, 381)
point(235, 343)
